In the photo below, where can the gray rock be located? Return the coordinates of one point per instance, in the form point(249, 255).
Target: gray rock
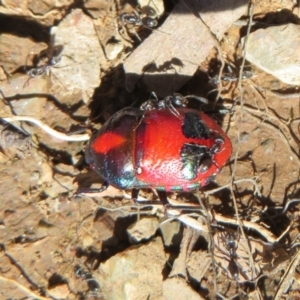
point(14, 142)
point(40, 7)
point(156, 6)
point(198, 264)
point(143, 229)
point(276, 50)
point(189, 239)
point(112, 50)
point(46, 12)
point(134, 274)
point(22, 84)
point(17, 51)
point(96, 8)
point(172, 53)
point(178, 289)
point(82, 55)
point(171, 233)
point(112, 225)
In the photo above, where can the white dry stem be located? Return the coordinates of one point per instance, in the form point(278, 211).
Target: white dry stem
point(288, 203)
point(253, 181)
point(49, 130)
point(188, 220)
point(272, 239)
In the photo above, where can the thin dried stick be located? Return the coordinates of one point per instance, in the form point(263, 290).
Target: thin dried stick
point(254, 112)
point(293, 152)
point(284, 96)
point(23, 288)
point(239, 85)
point(21, 269)
point(217, 45)
point(272, 114)
point(253, 181)
point(240, 223)
point(49, 130)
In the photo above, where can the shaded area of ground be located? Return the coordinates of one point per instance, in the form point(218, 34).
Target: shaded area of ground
point(58, 245)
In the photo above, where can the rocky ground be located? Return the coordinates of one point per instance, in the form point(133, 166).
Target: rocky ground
point(66, 67)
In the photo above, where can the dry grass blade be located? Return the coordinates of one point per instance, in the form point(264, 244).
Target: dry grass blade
point(239, 85)
point(285, 281)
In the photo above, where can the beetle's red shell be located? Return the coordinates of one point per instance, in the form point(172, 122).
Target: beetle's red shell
point(161, 141)
point(137, 149)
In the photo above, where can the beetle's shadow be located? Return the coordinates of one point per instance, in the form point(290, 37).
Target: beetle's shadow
point(116, 223)
point(112, 95)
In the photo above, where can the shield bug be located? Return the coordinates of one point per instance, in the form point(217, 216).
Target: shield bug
point(162, 145)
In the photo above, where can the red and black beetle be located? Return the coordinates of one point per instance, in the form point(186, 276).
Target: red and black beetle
point(162, 145)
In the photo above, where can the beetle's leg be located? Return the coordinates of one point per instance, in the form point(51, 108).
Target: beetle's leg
point(134, 195)
point(162, 195)
point(103, 187)
point(136, 35)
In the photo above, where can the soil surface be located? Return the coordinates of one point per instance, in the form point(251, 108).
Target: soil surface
point(66, 68)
